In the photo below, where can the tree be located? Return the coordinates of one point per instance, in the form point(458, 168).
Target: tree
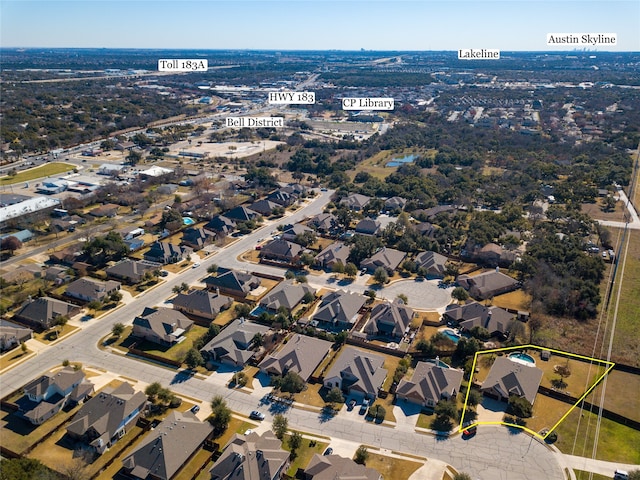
point(362, 455)
point(380, 275)
point(117, 329)
point(242, 310)
point(306, 259)
point(460, 294)
point(193, 358)
point(280, 425)
point(378, 412)
point(213, 268)
point(337, 267)
point(350, 270)
point(403, 297)
point(25, 469)
point(23, 347)
point(426, 347)
point(115, 296)
point(152, 390)
point(258, 339)
point(475, 397)
point(308, 297)
point(10, 243)
point(446, 408)
point(461, 476)
point(295, 440)
point(519, 406)
point(94, 305)
point(634, 475)
point(335, 396)
point(220, 418)
point(291, 382)
point(134, 157)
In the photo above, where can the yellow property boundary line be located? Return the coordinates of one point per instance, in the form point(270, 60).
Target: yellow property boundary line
point(523, 347)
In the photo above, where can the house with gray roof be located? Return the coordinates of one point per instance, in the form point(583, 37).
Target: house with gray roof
point(233, 345)
point(355, 201)
point(339, 309)
point(335, 467)
point(264, 207)
point(231, 282)
point(282, 197)
point(51, 392)
point(390, 320)
point(168, 447)
point(287, 294)
point(432, 262)
point(301, 354)
point(324, 222)
point(508, 377)
point(202, 303)
point(163, 326)
point(429, 384)
point(395, 203)
point(356, 372)
point(221, 225)
point(290, 232)
point(488, 284)
point(242, 214)
point(251, 457)
point(165, 252)
point(132, 271)
point(473, 314)
point(43, 312)
point(388, 258)
point(89, 289)
point(197, 238)
point(425, 228)
point(368, 226)
point(107, 416)
point(332, 254)
point(13, 334)
point(281, 250)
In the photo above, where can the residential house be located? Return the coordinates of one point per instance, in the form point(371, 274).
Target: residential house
point(390, 320)
point(508, 377)
point(494, 255)
point(221, 225)
point(13, 334)
point(290, 232)
point(426, 229)
point(251, 457)
point(165, 252)
point(163, 326)
point(132, 271)
point(232, 346)
point(48, 394)
point(488, 284)
point(168, 447)
point(280, 250)
point(429, 384)
point(107, 416)
point(295, 189)
point(58, 275)
point(432, 262)
point(202, 303)
point(473, 314)
point(431, 213)
point(264, 207)
point(395, 203)
point(287, 294)
point(332, 254)
point(197, 238)
point(89, 289)
point(231, 282)
point(242, 214)
point(282, 197)
point(66, 256)
point(43, 312)
point(388, 258)
point(109, 210)
point(301, 354)
point(324, 223)
point(335, 467)
point(339, 309)
point(355, 201)
point(356, 372)
point(368, 226)
point(135, 244)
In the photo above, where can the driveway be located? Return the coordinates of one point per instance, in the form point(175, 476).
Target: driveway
point(491, 410)
point(423, 295)
point(406, 414)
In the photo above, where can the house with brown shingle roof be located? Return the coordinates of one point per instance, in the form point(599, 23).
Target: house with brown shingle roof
point(335, 467)
point(473, 314)
point(339, 309)
point(43, 312)
point(231, 282)
point(432, 262)
point(388, 258)
point(163, 326)
point(282, 250)
point(168, 447)
point(332, 254)
point(202, 303)
point(355, 201)
point(132, 271)
point(287, 294)
point(89, 289)
point(488, 284)
point(356, 372)
point(233, 345)
point(301, 354)
point(508, 377)
point(389, 319)
point(429, 384)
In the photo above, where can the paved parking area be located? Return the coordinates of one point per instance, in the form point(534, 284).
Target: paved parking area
point(423, 295)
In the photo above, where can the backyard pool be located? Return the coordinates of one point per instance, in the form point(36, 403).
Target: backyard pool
point(396, 162)
point(522, 358)
point(188, 220)
point(451, 335)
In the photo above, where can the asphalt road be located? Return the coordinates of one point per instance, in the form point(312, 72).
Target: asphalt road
point(492, 454)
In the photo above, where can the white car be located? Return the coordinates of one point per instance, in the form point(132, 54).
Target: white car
point(195, 265)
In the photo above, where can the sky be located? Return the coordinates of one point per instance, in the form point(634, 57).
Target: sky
point(314, 24)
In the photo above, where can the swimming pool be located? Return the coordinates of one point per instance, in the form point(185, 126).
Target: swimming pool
point(523, 358)
point(188, 220)
point(453, 336)
point(396, 162)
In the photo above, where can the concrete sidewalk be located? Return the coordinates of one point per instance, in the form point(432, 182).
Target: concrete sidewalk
point(596, 466)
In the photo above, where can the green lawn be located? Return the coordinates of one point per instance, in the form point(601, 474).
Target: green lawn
point(390, 467)
point(582, 475)
point(176, 352)
point(37, 172)
point(303, 454)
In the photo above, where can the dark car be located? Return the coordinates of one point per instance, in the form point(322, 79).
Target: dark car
point(256, 415)
point(363, 407)
point(195, 409)
point(328, 451)
point(469, 431)
point(351, 404)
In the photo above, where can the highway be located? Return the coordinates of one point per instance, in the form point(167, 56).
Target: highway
point(493, 453)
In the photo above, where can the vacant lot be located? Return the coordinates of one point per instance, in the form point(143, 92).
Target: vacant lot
point(38, 172)
point(389, 467)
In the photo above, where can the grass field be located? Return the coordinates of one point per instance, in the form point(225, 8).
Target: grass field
point(390, 467)
point(38, 172)
point(582, 475)
point(303, 454)
point(226, 317)
point(11, 357)
point(516, 300)
point(375, 165)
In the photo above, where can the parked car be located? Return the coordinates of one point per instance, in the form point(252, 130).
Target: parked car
point(195, 265)
point(256, 415)
point(163, 273)
point(620, 475)
point(195, 409)
point(328, 451)
point(364, 407)
point(351, 405)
